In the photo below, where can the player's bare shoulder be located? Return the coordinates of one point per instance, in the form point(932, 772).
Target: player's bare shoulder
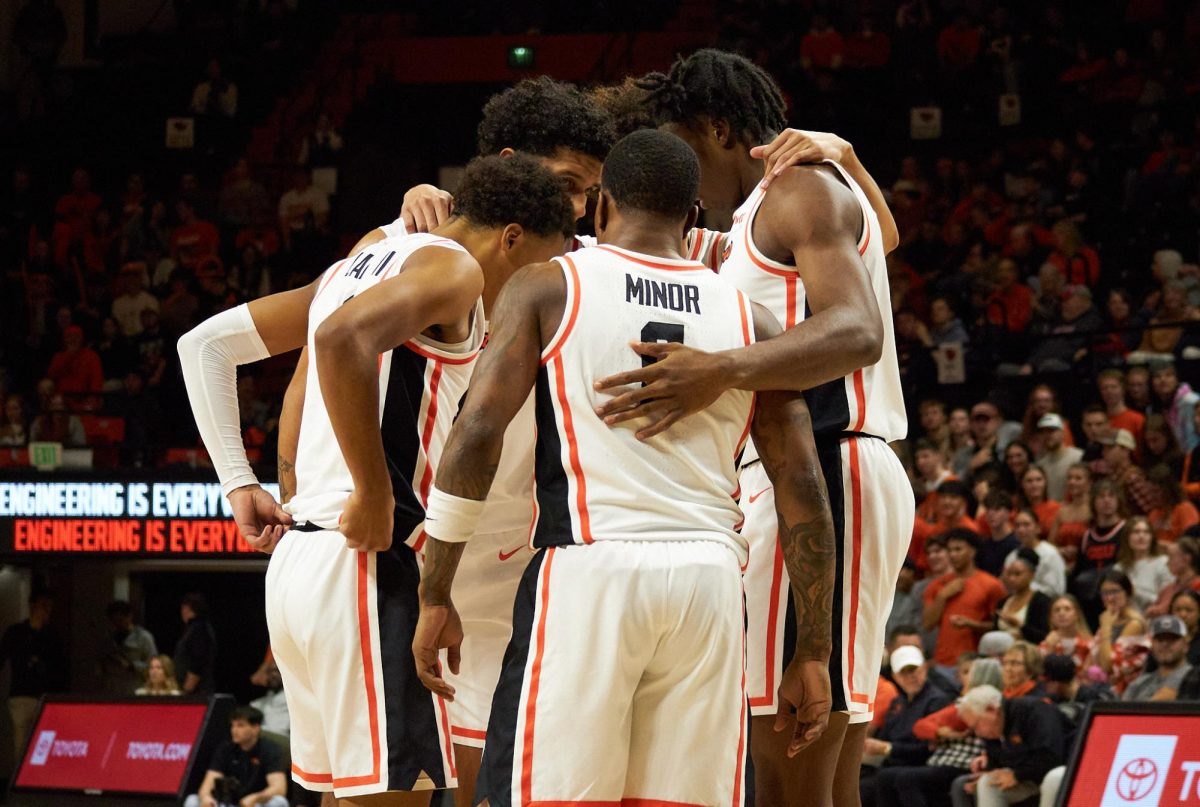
point(808, 204)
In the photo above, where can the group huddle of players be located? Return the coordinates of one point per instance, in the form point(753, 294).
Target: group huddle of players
point(559, 511)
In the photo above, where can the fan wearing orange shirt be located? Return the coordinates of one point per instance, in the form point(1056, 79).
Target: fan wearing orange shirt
point(961, 603)
point(1111, 384)
point(953, 496)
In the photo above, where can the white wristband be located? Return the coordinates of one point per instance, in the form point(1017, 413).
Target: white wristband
point(451, 518)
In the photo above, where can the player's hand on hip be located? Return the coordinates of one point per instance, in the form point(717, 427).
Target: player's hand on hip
point(805, 700)
point(366, 521)
point(680, 382)
point(425, 208)
point(260, 519)
point(797, 147)
point(438, 626)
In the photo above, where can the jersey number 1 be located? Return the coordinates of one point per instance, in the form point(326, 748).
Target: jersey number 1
point(660, 332)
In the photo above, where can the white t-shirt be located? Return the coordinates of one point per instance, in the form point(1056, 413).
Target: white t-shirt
point(1050, 578)
point(294, 204)
point(1149, 576)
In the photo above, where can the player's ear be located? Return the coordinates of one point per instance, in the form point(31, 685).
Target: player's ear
point(602, 210)
point(692, 217)
point(510, 237)
point(507, 152)
point(723, 133)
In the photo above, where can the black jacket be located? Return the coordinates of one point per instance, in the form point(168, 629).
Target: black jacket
point(1033, 741)
point(902, 715)
point(1037, 618)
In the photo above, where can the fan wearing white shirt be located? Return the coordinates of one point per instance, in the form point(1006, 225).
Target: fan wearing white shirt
point(1050, 577)
point(1143, 560)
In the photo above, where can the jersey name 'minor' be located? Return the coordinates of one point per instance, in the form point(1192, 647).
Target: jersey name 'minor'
point(659, 294)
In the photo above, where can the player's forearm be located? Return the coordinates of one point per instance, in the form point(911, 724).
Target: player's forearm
point(829, 345)
point(887, 222)
point(437, 574)
point(472, 454)
point(289, 429)
point(349, 380)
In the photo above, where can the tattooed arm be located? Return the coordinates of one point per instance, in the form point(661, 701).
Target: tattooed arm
point(783, 436)
point(527, 313)
point(289, 428)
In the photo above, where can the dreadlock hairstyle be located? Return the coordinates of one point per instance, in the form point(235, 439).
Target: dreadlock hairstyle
point(721, 86)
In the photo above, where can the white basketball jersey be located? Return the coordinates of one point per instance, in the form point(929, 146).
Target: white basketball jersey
point(597, 482)
point(869, 400)
point(420, 386)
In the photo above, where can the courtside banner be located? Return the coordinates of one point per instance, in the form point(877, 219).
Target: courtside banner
point(107, 747)
point(1136, 755)
point(142, 518)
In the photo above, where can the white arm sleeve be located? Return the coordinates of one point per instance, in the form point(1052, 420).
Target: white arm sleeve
point(209, 355)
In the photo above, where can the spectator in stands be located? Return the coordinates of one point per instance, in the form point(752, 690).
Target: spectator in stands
point(58, 425)
point(1098, 550)
point(38, 665)
point(1075, 515)
point(999, 539)
point(895, 742)
point(320, 147)
point(1069, 633)
point(1018, 457)
point(937, 558)
point(14, 430)
point(1031, 494)
point(160, 678)
point(991, 434)
point(1023, 739)
point(1095, 426)
point(1186, 605)
point(273, 704)
point(931, 473)
point(1183, 562)
point(1137, 389)
point(1067, 341)
point(1141, 557)
point(126, 654)
point(74, 215)
point(822, 48)
point(907, 606)
point(1159, 446)
point(196, 652)
point(1161, 339)
point(1119, 446)
point(1190, 474)
point(1169, 648)
point(946, 326)
point(180, 310)
point(194, 238)
point(953, 499)
point(1121, 630)
point(128, 306)
point(1010, 305)
point(1111, 384)
point(251, 274)
point(1021, 671)
point(958, 44)
point(1057, 458)
point(1172, 513)
point(1069, 693)
point(216, 96)
point(961, 603)
point(936, 424)
point(1078, 262)
point(1050, 575)
point(76, 369)
point(962, 441)
point(1025, 612)
point(1176, 402)
point(216, 294)
point(303, 211)
point(243, 201)
point(116, 355)
point(248, 769)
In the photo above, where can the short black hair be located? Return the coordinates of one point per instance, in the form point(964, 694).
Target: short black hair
point(998, 499)
point(653, 172)
point(721, 86)
point(248, 713)
point(964, 535)
point(196, 601)
point(954, 487)
point(119, 608)
point(1029, 556)
point(902, 630)
point(540, 116)
point(518, 189)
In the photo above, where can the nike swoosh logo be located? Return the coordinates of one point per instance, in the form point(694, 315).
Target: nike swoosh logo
point(756, 495)
point(506, 555)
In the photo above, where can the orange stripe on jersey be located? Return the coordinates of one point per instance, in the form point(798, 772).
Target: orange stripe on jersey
point(766, 267)
point(772, 618)
point(446, 733)
point(716, 250)
point(741, 749)
point(472, 734)
point(330, 274)
point(312, 778)
point(671, 267)
point(699, 242)
point(856, 558)
point(427, 432)
point(556, 346)
point(622, 803)
point(535, 676)
point(745, 318)
point(465, 358)
point(860, 400)
point(863, 249)
point(368, 662)
point(585, 522)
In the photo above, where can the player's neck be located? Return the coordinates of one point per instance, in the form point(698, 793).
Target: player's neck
point(750, 175)
point(645, 238)
point(476, 241)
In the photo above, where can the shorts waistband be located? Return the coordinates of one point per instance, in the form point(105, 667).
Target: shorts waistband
point(308, 526)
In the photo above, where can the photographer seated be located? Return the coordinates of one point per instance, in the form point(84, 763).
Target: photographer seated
point(246, 771)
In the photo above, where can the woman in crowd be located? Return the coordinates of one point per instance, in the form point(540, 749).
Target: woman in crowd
point(1051, 574)
point(1160, 446)
point(1025, 612)
point(1121, 643)
point(1183, 562)
point(1076, 513)
point(1069, 633)
point(160, 678)
point(1032, 495)
point(1021, 671)
point(1098, 550)
point(962, 443)
point(1172, 513)
point(1140, 556)
point(1186, 606)
point(1018, 458)
point(14, 430)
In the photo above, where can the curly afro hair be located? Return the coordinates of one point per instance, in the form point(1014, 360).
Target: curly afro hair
point(626, 105)
point(540, 116)
point(718, 85)
point(497, 191)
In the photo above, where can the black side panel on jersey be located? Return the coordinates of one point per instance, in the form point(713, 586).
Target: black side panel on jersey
point(827, 403)
point(554, 516)
point(829, 454)
point(401, 430)
point(412, 731)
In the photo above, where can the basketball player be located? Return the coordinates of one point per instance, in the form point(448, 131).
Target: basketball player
point(624, 680)
point(394, 333)
point(811, 249)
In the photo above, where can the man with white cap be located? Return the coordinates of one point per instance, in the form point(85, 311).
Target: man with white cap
point(918, 698)
point(1169, 646)
point(1119, 446)
point(1058, 458)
